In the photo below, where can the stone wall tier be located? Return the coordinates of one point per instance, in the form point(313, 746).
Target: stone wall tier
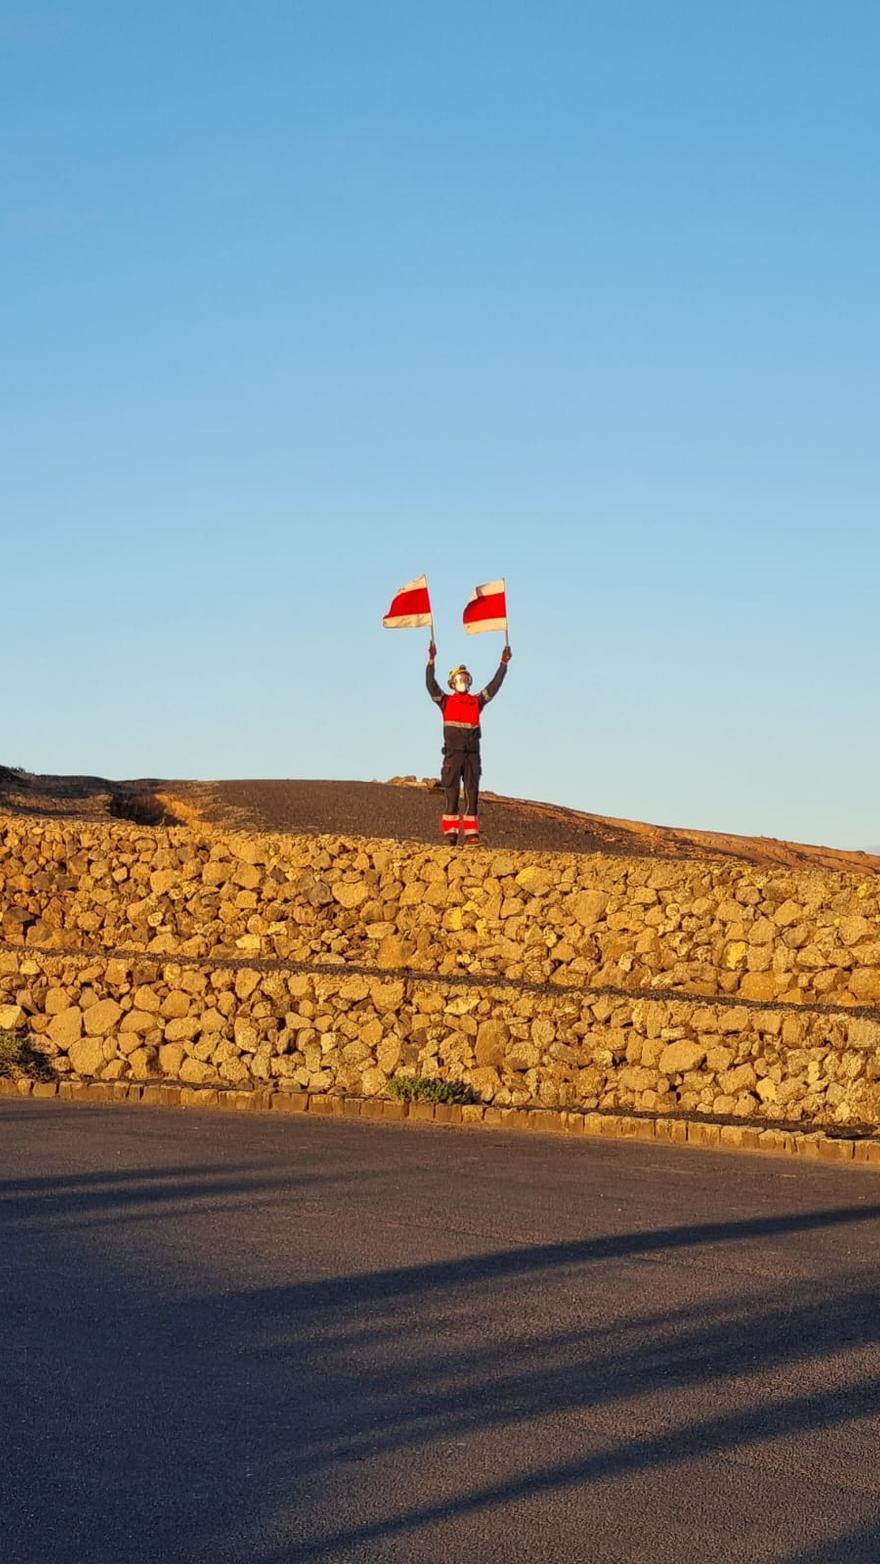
point(342, 1031)
point(715, 928)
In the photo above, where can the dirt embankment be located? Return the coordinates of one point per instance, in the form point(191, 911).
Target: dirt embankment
point(404, 810)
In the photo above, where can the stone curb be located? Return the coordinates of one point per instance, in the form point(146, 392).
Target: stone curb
point(606, 1126)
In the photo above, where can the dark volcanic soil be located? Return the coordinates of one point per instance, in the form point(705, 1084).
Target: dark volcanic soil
point(388, 810)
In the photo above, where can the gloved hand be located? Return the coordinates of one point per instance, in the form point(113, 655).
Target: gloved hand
point(506, 655)
point(432, 652)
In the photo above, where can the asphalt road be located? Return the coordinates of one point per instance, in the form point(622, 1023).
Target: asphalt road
point(233, 1338)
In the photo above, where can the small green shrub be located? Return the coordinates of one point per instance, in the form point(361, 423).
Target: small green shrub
point(422, 1088)
point(18, 1056)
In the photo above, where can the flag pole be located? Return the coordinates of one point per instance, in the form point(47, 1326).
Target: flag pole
point(506, 620)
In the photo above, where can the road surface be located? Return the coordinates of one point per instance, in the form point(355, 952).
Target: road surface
point(231, 1338)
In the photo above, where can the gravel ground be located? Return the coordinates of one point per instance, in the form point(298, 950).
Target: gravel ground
point(409, 814)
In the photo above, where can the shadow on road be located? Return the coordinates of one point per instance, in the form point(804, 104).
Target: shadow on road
point(161, 1420)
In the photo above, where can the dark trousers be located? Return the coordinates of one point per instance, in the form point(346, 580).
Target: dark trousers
point(461, 774)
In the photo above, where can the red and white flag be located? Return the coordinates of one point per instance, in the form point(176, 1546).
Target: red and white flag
point(487, 609)
point(410, 607)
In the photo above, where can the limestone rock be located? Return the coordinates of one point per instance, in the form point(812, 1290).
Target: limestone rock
point(758, 985)
point(492, 1038)
point(372, 1033)
point(637, 1078)
point(137, 1021)
point(176, 1005)
point(373, 1082)
point(194, 1072)
point(246, 1035)
point(393, 953)
point(182, 1029)
point(350, 895)
point(589, 906)
point(142, 1064)
point(522, 1056)
point(353, 1053)
point(11, 1017)
point(246, 980)
point(678, 1057)
point(171, 1057)
point(863, 1034)
point(251, 850)
point(535, 880)
point(387, 996)
point(380, 930)
point(389, 1054)
point(724, 1106)
point(740, 1079)
point(65, 1027)
point(234, 1070)
point(485, 1082)
point(719, 1058)
point(102, 1017)
point(320, 1081)
point(87, 1056)
point(854, 929)
point(319, 894)
point(865, 985)
point(145, 998)
point(355, 988)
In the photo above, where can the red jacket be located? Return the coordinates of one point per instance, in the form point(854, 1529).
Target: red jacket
point(461, 713)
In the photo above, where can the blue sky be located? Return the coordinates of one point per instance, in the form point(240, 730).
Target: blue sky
point(302, 300)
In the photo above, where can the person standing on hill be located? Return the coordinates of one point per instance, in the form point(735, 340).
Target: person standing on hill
point(461, 744)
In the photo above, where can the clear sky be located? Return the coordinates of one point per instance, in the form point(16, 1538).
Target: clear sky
point(301, 300)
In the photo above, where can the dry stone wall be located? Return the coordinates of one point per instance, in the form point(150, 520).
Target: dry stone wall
point(713, 928)
point(330, 965)
point(146, 1019)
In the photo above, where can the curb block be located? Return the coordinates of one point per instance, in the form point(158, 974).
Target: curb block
point(808, 1144)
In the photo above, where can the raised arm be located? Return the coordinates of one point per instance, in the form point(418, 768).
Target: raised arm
point(432, 686)
point(498, 678)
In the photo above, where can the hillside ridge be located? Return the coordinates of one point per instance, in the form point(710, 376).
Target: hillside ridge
point(403, 808)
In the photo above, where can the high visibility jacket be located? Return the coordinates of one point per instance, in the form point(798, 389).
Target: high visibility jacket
point(461, 713)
